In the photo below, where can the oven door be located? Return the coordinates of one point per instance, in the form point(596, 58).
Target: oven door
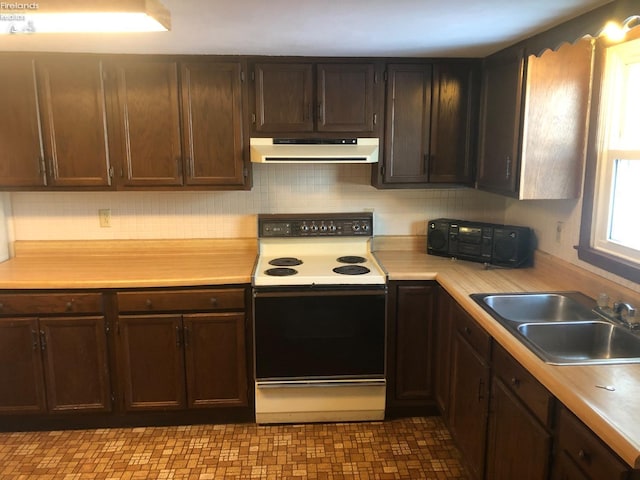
point(319, 334)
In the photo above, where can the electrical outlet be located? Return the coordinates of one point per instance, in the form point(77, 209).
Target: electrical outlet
point(104, 214)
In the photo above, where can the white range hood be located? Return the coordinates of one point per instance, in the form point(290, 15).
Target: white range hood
point(339, 150)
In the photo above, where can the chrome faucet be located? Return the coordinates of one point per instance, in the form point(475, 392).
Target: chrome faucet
point(620, 307)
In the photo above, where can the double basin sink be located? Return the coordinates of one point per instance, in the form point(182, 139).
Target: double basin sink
point(562, 328)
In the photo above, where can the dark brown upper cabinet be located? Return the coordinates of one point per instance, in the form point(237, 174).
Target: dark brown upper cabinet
point(429, 125)
point(72, 106)
point(21, 155)
point(145, 138)
point(533, 122)
point(346, 98)
point(212, 104)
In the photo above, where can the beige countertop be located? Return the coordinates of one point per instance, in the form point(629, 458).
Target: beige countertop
point(165, 263)
point(128, 264)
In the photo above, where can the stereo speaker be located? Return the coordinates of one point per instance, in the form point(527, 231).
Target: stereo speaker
point(438, 237)
point(512, 246)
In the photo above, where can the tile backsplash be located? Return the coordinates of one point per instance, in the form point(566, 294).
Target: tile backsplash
point(277, 189)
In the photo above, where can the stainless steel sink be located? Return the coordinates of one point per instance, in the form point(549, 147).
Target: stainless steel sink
point(596, 342)
point(562, 328)
point(539, 307)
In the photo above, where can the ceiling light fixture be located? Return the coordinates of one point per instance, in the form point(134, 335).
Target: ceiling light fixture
point(616, 32)
point(81, 16)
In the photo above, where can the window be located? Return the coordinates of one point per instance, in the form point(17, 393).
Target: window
point(610, 236)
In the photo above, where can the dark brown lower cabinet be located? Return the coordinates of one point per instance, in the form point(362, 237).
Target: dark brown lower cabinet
point(171, 362)
point(443, 329)
point(581, 455)
point(469, 392)
point(519, 447)
point(55, 364)
point(410, 347)
point(21, 377)
point(215, 360)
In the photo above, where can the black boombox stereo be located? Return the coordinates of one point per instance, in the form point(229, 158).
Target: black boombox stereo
point(495, 244)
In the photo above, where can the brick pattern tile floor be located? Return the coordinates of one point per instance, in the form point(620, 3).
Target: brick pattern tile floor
point(410, 448)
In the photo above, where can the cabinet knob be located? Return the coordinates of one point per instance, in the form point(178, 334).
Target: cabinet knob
point(1, 306)
point(214, 301)
point(149, 303)
point(515, 382)
point(467, 330)
point(69, 306)
point(584, 455)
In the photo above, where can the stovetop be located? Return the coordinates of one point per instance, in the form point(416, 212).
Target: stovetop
point(316, 249)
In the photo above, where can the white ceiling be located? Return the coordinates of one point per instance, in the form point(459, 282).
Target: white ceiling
point(395, 28)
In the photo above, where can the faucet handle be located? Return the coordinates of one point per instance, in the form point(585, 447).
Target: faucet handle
point(620, 307)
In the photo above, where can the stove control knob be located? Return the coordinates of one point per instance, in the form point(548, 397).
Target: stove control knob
point(365, 227)
point(304, 227)
point(332, 228)
point(323, 228)
point(314, 228)
point(355, 227)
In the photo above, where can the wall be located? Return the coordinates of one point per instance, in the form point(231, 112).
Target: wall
point(277, 189)
point(543, 216)
point(4, 227)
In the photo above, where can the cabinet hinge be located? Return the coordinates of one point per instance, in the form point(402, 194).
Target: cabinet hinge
point(245, 172)
point(107, 327)
point(111, 172)
point(253, 118)
point(113, 400)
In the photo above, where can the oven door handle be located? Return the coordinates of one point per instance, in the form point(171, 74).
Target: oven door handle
point(369, 382)
point(318, 293)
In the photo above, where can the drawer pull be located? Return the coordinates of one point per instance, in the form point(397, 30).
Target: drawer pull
point(467, 330)
point(43, 341)
point(178, 343)
point(69, 306)
point(214, 301)
point(149, 303)
point(1, 306)
point(34, 339)
point(515, 382)
point(585, 456)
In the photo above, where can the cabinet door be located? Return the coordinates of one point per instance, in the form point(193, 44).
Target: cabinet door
point(215, 360)
point(75, 362)
point(72, 105)
point(148, 123)
point(412, 332)
point(565, 469)
point(152, 362)
point(454, 111)
point(21, 378)
point(469, 403)
point(519, 447)
point(212, 123)
point(283, 97)
point(408, 124)
point(443, 329)
point(21, 155)
point(500, 122)
point(345, 97)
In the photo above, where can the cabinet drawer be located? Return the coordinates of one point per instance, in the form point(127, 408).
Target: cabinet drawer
point(50, 303)
point(181, 300)
point(472, 332)
point(531, 392)
point(587, 450)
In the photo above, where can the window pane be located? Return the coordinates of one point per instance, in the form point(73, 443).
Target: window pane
point(624, 228)
point(630, 122)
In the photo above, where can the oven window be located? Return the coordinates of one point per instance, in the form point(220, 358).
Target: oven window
point(304, 336)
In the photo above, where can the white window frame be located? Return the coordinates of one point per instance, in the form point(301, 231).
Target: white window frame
point(612, 146)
